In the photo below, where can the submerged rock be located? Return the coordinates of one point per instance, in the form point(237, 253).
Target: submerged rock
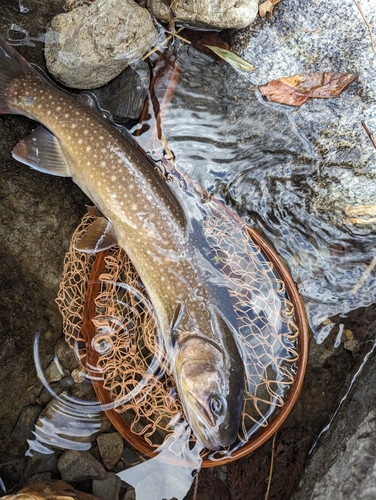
point(88, 47)
point(75, 466)
point(125, 95)
point(221, 14)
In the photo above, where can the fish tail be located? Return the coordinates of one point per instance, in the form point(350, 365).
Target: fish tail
point(12, 65)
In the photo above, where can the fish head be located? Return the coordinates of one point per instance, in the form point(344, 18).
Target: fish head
point(210, 384)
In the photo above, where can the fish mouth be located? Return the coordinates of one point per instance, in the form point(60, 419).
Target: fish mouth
point(206, 427)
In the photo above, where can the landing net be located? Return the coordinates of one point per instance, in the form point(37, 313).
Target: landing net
point(124, 353)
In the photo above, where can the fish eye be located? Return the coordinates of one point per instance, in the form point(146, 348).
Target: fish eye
point(218, 405)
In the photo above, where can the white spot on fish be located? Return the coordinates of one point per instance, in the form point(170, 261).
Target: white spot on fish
point(79, 141)
point(88, 148)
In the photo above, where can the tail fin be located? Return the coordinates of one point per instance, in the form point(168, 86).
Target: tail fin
point(12, 64)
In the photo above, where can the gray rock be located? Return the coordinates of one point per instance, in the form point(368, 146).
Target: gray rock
point(54, 372)
point(88, 47)
point(40, 463)
point(62, 427)
point(66, 355)
point(130, 458)
point(26, 421)
point(108, 489)
point(221, 14)
point(110, 448)
point(39, 478)
point(130, 494)
point(125, 95)
point(75, 466)
point(343, 466)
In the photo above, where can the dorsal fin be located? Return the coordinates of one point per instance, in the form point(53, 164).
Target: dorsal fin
point(41, 151)
point(99, 236)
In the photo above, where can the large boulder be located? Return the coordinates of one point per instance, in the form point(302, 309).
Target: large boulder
point(88, 47)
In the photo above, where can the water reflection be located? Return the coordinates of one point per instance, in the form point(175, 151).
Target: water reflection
point(67, 422)
point(253, 156)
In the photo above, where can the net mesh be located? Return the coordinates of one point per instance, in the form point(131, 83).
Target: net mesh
point(129, 354)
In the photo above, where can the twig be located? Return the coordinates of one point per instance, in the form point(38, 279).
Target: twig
point(166, 40)
point(363, 278)
point(178, 36)
point(367, 24)
point(369, 133)
point(196, 486)
point(271, 468)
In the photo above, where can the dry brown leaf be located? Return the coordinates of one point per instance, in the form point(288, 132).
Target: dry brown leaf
point(267, 7)
point(295, 90)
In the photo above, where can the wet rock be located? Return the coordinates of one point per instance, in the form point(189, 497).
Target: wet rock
point(50, 490)
point(88, 47)
point(75, 466)
point(108, 488)
point(110, 448)
point(221, 14)
point(130, 458)
point(130, 494)
point(65, 427)
point(46, 396)
point(66, 356)
point(39, 478)
point(40, 463)
point(26, 421)
point(79, 375)
point(54, 372)
point(343, 466)
point(66, 382)
point(125, 95)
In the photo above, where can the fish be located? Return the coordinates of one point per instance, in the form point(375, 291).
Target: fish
point(159, 228)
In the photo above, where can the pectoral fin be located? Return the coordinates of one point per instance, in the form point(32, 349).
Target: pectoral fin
point(99, 236)
point(41, 151)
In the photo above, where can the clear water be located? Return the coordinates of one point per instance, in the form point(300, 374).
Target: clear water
point(251, 155)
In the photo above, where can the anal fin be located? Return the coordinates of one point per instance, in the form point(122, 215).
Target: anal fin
point(98, 237)
point(41, 151)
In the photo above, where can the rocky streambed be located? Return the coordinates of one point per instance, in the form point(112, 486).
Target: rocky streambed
point(292, 173)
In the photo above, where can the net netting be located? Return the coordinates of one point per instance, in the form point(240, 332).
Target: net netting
point(125, 351)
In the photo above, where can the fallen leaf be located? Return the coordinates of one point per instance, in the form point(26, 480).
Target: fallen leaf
point(296, 89)
point(267, 7)
point(235, 61)
point(202, 39)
